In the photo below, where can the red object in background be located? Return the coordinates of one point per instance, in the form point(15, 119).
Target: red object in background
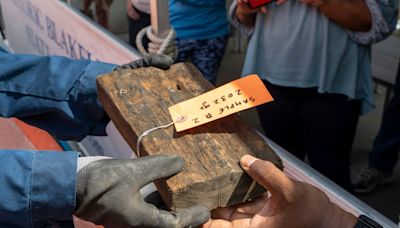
point(258, 3)
point(15, 134)
point(40, 139)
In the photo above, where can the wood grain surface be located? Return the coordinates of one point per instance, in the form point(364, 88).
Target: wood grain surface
point(137, 100)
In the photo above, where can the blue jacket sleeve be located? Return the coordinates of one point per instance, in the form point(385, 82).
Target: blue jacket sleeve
point(37, 188)
point(54, 93)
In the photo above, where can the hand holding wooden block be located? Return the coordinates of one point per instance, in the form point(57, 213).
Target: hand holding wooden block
point(137, 100)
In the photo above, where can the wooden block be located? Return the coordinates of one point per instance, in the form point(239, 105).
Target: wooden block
point(137, 100)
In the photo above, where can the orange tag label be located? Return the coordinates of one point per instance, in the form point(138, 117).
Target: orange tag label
point(230, 98)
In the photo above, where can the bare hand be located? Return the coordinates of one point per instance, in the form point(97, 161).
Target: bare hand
point(291, 204)
point(132, 13)
point(244, 8)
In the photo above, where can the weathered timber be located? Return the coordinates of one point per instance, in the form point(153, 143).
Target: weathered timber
point(137, 100)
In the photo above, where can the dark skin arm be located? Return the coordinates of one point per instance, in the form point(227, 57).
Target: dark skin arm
point(245, 14)
point(350, 14)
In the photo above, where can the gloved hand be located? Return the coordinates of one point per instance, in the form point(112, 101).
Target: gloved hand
point(155, 60)
point(108, 194)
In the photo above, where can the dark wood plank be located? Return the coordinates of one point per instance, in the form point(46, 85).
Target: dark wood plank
point(137, 100)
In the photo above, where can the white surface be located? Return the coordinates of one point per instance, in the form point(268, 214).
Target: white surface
point(294, 168)
point(385, 59)
point(52, 28)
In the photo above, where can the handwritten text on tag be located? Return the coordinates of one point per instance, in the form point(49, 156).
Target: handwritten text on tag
point(225, 100)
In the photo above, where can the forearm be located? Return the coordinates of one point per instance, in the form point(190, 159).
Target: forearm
point(235, 22)
point(353, 15)
point(246, 19)
point(54, 93)
point(384, 20)
point(37, 179)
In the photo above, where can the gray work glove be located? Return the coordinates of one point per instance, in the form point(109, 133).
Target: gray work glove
point(108, 194)
point(155, 60)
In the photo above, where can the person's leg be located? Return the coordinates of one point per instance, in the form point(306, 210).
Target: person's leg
point(281, 120)
point(102, 13)
point(185, 49)
point(207, 56)
point(330, 122)
point(385, 151)
point(136, 26)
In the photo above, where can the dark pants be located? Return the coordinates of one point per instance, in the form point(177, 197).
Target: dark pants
point(321, 126)
point(136, 26)
point(385, 151)
point(206, 55)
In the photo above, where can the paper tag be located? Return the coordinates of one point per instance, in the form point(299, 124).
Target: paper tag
point(225, 100)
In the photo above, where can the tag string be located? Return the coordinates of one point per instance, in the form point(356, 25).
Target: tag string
point(180, 119)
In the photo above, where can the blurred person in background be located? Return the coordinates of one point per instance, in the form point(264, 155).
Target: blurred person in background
point(101, 7)
point(202, 30)
point(314, 58)
point(138, 17)
point(385, 150)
